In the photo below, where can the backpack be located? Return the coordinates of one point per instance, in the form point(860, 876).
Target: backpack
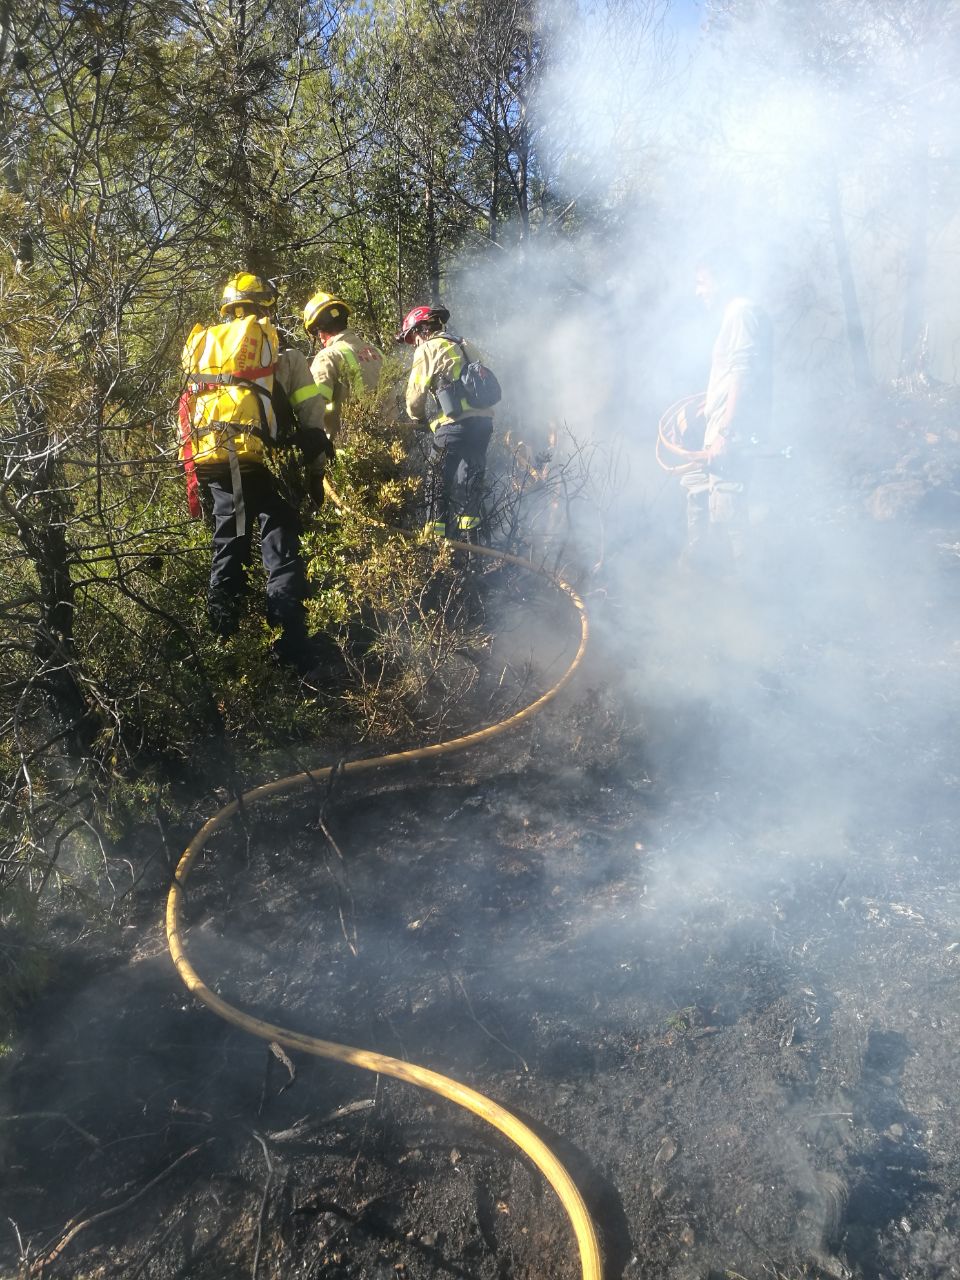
point(229, 395)
point(227, 413)
point(476, 388)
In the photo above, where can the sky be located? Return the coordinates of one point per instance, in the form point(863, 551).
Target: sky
point(686, 14)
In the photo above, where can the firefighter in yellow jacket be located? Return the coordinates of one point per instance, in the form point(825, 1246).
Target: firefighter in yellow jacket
point(462, 428)
point(346, 366)
point(244, 397)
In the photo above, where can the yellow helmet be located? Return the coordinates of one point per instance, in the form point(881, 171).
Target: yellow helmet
point(323, 307)
point(246, 288)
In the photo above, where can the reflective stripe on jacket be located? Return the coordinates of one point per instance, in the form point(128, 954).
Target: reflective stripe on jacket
point(345, 369)
point(306, 398)
point(436, 363)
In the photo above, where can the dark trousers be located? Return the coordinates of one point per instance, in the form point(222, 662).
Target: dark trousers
point(458, 455)
point(279, 549)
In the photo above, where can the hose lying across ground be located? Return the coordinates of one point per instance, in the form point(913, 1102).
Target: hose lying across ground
point(492, 1112)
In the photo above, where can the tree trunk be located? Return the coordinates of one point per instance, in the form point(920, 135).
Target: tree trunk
point(523, 153)
point(915, 266)
point(856, 339)
point(493, 220)
point(399, 227)
point(523, 179)
point(41, 527)
point(433, 244)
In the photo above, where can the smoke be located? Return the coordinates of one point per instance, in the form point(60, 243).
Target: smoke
point(792, 718)
point(786, 135)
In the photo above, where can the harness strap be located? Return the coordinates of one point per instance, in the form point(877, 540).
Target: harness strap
point(231, 429)
point(239, 506)
point(456, 342)
point(208, 382)
point(458, 409)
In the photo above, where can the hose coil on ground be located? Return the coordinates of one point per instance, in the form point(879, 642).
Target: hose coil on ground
point(673, 424)
point(494, 1114)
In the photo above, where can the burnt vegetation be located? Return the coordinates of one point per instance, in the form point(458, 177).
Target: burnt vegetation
point(700, 925)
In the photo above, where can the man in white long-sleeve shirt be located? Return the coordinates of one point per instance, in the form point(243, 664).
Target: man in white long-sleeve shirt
point(737, 411)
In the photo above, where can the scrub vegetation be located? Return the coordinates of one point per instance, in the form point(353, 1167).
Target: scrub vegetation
point(147, 152)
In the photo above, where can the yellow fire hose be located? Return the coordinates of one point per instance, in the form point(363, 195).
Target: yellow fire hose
point(462, 1095)
point(686, 459)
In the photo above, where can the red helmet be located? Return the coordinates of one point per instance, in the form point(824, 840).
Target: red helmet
point(418, 316)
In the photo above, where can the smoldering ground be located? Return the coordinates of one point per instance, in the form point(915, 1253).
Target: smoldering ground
point(701, 925)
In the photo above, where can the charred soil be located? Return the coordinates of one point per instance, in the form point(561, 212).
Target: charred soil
point(700, 927)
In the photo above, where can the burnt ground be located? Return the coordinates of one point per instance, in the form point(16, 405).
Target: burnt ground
point(700, 926)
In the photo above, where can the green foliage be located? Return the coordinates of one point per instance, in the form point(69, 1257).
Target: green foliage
point(134, 708)
point(680, 1021)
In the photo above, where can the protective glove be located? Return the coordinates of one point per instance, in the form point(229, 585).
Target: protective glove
point(315, 482)
point(314, 443)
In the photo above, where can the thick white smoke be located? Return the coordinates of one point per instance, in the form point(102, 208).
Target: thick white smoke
point(790, 714)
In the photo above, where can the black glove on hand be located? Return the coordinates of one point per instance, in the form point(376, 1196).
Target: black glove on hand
point(315, 484)
point(313, 443)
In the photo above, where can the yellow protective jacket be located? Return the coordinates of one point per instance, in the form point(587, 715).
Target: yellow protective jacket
point(227, 407)
point(437, 362)
point(345, 369)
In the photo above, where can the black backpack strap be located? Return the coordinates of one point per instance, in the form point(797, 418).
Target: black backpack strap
point(284, 414)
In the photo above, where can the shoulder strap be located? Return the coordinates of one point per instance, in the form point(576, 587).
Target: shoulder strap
point(283, 412)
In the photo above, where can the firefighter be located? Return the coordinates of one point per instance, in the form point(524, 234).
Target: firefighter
point(735, 413)
point(345, 367)
point(461, 425)
point(244, 397)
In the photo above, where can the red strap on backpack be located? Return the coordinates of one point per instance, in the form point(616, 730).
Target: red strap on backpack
point(189, 466)
point(243, 375)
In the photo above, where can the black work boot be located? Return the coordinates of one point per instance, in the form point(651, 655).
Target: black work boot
point(293, 649)
point(223, 612)
point(318, 659)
